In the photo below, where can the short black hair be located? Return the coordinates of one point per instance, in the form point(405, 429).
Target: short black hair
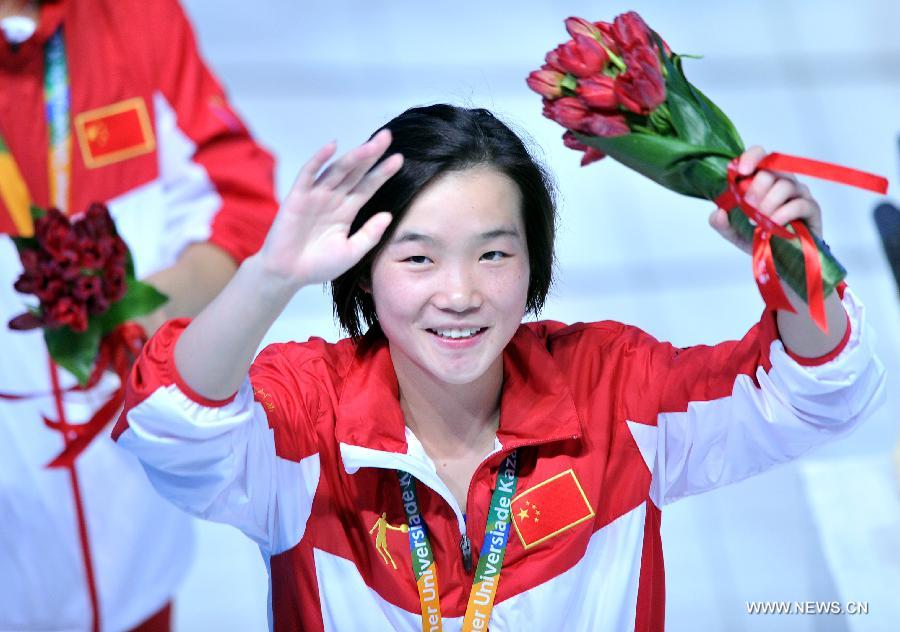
point(434, 140)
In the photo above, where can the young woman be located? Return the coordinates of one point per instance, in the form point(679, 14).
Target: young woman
point(453, 466)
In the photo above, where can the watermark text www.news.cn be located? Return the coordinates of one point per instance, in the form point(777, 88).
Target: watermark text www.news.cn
point(808, 607)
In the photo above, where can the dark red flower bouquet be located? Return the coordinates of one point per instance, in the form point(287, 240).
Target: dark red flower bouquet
point(620, 91)
point(82, 273)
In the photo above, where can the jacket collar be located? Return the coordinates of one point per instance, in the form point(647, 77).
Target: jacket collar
point(536, 405)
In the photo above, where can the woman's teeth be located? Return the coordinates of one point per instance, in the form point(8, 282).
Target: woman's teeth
point(457, 333)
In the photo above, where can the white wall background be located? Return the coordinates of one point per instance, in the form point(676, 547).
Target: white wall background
point(818, 79)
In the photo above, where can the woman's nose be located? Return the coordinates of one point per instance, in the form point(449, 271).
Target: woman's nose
point(458, 291)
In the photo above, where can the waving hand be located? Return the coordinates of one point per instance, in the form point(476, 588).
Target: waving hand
point(309, 241)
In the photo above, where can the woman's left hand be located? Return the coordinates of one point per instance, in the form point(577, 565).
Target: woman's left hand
point(777, 195)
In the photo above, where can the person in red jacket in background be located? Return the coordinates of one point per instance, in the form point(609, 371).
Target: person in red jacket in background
point(109, 100)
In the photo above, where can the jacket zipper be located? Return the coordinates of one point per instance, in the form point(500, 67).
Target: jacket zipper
point(465, 544)
point(434, 482)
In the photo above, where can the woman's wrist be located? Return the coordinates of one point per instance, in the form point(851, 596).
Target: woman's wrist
point(267, 282)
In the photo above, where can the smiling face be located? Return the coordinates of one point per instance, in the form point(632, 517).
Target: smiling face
point(450, 287)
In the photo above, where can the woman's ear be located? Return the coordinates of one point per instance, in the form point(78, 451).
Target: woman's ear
point(365, 284)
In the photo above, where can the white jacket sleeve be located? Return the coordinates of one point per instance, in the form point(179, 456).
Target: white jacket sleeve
point(733, 410)
point(217, 459)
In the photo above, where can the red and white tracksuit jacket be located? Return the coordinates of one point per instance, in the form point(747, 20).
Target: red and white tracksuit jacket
point(192, 174)
point(614, 424)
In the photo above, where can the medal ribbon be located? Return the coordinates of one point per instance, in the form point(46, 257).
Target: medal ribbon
point(56, 97)
point(14, 192)
point(14, 196)
point(490, 561)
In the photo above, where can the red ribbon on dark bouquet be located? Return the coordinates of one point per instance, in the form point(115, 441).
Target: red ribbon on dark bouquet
point(117, 351)
point(763, 262)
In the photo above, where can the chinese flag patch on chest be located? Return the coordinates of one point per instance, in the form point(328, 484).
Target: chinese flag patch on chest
point(114, 132)
point(550, 508)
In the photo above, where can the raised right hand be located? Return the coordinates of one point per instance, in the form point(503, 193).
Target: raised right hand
point(308, 242)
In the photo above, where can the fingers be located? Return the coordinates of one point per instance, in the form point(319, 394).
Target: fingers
point(718, 219)
point(782, 198)
point(344, 174)
point(307, 175)
point(373, 180)
point(372, 151)
point(363, 240)
point(799, 208)
point(749, 160)
point(780, 191)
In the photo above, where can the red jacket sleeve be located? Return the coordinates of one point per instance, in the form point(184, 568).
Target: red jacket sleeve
point(241, 171)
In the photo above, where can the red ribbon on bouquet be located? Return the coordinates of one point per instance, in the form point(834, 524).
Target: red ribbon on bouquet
point(763, 262)
point(117, 352)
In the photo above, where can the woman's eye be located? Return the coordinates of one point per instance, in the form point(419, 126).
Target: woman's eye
point(494, 255)
point(418, 259)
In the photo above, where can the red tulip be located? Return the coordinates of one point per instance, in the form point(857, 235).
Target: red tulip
point(546, 82)
point(30, 261)
point(98, 304)
point(26, 321)
point(99, 219)
point(569, 112)
point(27, 284)
point(580, 26)
point(89, 255)
point(582, 56)
point(574, 114)
point(598, 92)
point(570, 141)
point(32, 276)
point(86, 287)
point(552, 60)
point(600, 31)
point(630, 31)
point(68, 312)
point(590, 153)
point(608, 36)
point(53, 289)
point(53, 237)
point(641, 88)
point(114, 283)
point(607, 125)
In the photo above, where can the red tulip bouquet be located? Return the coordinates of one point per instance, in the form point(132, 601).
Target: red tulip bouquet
point(621, 92)
point(83, 277)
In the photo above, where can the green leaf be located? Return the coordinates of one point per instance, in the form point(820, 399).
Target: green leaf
point(707, 176)
point(720, 126)
point(687, 116)
point(25, 243)
point(140, 299)
point(659, 158)
point(727, 128)
point(661, 121)
point(696, 119)
point(129, 262)
point(73, 351)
